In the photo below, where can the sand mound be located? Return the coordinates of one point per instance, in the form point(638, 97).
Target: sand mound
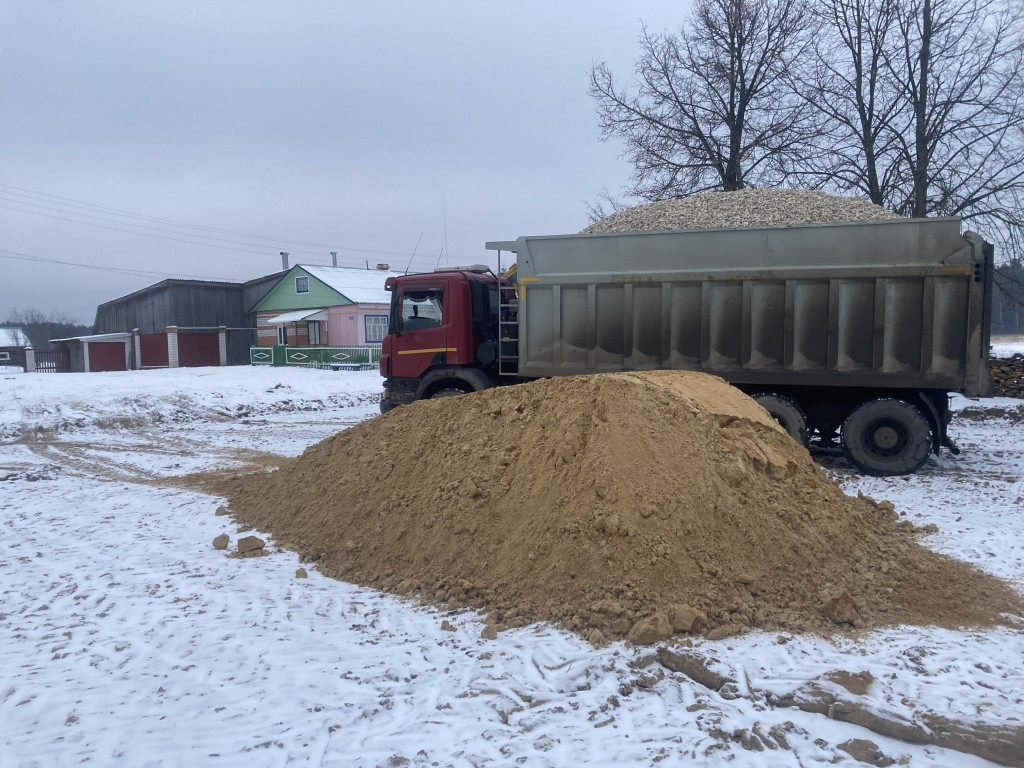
point(619, 505)
point(743, 208)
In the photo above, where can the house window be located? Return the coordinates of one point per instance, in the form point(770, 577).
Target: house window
point(302, 285)
point(376, 328)
point(313, 332)
point(282, 335)
point(5, 355)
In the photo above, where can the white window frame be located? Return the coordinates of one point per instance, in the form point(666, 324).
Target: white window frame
point(379, 320)
point(304, 283)
point(282, 335)
point(313, 332)
point(5, 356)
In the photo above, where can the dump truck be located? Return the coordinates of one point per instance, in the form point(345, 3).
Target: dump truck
point(849, 334)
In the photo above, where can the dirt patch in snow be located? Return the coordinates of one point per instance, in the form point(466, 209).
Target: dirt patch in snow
point(618, 505)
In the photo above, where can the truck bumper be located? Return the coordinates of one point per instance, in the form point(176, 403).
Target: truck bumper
point(393, 397)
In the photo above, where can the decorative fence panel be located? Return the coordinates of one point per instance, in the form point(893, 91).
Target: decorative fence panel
point(261, 355)
point(336, 358)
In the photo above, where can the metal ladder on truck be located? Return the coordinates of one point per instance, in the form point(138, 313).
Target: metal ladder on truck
point(508, 322)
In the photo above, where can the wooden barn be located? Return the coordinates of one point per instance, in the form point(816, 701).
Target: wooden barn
point(187, 322)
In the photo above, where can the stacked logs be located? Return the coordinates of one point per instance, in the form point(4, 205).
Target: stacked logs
point(1008, 376)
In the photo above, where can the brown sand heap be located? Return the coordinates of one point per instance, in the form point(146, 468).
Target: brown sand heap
point(742, 208)
point(616, 505)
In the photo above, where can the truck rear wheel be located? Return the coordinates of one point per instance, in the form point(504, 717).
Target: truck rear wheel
point(887, 437)
point(787, 412)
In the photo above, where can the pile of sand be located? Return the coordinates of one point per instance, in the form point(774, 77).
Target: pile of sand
point(617, 505)
point(742, 208)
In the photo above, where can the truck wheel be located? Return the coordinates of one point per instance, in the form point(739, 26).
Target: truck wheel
point(787, 412)
point(887, 437)
point(447, 391)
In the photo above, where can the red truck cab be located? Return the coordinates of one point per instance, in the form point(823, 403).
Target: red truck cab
point(442, 335)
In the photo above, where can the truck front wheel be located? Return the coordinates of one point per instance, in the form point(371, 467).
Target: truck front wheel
point(887, 437)
point(447, 391)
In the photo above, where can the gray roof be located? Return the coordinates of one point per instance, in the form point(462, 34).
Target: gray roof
point(360, 286)
point(13, 337)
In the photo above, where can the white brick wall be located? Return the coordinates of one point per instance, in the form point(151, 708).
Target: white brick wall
point(172, 346)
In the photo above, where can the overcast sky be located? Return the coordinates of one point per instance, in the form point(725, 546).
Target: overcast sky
point(360, 127)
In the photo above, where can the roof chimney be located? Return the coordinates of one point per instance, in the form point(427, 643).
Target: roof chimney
point(284, 260)
point(334, 258)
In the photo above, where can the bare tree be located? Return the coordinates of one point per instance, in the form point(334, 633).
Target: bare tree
point(853, 88)
point(924, 103)
point(959, 67)
point(714, 106)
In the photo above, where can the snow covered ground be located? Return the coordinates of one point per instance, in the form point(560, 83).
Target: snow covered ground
point(129, 640)
point(1006, 346)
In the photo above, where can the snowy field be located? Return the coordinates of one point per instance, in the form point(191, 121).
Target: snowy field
point(1007, 346)
point(128, 640)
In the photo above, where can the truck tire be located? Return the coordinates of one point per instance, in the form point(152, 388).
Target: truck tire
point(447, 391)
point(887, 437)
point(787, 412)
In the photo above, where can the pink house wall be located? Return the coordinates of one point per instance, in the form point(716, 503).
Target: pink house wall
point(346, 326)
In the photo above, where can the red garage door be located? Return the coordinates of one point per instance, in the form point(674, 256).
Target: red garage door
point(107, 356)
point(153, 347)
point(196, 349)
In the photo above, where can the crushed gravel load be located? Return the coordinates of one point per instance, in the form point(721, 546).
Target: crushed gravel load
point(743, 208)
point(619, 505)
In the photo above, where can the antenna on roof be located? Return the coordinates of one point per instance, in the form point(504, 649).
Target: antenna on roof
point(409, 265)
point(444, 215)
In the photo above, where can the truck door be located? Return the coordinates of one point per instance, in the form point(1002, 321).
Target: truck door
point(420, 329)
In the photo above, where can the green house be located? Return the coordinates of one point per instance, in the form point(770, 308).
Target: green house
point(324, 306)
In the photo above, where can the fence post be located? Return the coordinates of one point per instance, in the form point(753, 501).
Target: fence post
point(222, 344)
point(172, 346)
point(30, 360)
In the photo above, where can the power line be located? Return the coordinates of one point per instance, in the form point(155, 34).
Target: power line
point(174, 239)
point(18, 256)
point(68, 202)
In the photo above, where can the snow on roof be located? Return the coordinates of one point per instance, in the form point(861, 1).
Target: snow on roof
point(13, 337)
point(96, 337)
point(361, 286)
point(294, 317)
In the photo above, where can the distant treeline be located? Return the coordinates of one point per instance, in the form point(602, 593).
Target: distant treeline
point(40, 328)
point(1008, 298)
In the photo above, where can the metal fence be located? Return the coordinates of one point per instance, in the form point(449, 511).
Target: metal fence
point(335, 358)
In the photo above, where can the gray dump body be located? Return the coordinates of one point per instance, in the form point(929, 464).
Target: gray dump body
point(889, 304)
